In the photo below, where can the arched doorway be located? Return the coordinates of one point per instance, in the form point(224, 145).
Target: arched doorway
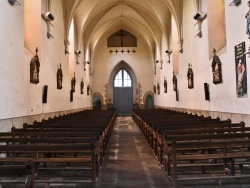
point(97, 101)
point(123, 92)
point(97, 105)
point(149, 102)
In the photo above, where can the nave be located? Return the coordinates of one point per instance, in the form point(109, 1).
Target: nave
point(129, 161)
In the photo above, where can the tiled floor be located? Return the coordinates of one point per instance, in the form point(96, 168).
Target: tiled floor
point(130, 163)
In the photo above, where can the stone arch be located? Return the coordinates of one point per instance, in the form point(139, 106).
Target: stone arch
point(98, 95)
point(126, 66)
point(146, 94)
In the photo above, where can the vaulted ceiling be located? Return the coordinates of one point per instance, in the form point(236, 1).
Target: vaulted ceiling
point(95, 20)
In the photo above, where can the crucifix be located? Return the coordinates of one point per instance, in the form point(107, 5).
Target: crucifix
point(121, 35)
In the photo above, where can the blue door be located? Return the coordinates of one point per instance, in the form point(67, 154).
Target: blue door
point(149, 102)
point(123, 93)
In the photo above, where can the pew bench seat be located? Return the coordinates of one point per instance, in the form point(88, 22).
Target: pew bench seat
point(188, 152)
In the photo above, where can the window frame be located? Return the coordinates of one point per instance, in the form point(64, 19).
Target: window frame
point(124, 80)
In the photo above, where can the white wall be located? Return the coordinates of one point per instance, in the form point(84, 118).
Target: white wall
point(223, 97)
point(19, 98)
point(104, 62)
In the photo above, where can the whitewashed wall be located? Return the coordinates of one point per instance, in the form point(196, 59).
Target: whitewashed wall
point(20, 99)
point(223, 100)
point(140, 62)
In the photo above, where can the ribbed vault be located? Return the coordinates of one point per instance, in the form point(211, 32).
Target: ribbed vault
point(148, 20)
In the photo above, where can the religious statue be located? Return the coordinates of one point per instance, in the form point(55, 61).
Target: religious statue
point(174, 82)
point(241, 79)
point(88, 89)
point(59, 76)
point(73, 83)
point(158, 88)
point(34, 69)
point(216, 69)
point(165, 85)
point(190, 77)
point(247, 16)
point(154, 88)
point(82, 86)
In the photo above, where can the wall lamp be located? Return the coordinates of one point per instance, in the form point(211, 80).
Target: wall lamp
point(66, 44)
point(199, 34)
point(200, 16)
point(84, 64)
point(168, 52)
point(48, 16)
point(235, 3)
point(77, 52)
point(14, 2)
point(49, 35)
point(248, 51)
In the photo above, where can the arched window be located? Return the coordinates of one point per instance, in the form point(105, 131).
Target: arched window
point(122, 79)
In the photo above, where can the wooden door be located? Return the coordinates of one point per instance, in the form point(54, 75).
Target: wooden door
point(123, 100)
point(123, 93)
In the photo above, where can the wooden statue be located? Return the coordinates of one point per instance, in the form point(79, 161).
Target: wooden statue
point(154, 88)
point(190, 77)
point(216, 69)
point(73, 83)
point(158, 88)
point(174, 82)
point(59, 76)
point(34, 69)
point(165, 85)
point(247, 16)
point(88, 89)
point(82, 86)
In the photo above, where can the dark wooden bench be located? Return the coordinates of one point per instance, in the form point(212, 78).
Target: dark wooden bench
point(18, 173)
point(78, 138)
point(181, 149)
point(158, 136)
point(65, 153)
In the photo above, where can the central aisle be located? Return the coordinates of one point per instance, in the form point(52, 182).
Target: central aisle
point(129, 161)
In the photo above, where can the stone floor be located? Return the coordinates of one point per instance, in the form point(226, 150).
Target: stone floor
point(130, 163)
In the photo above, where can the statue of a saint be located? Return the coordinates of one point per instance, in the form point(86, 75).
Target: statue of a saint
point(190, 77)
point(73, 83)
point(59, 77)
point(247, 16)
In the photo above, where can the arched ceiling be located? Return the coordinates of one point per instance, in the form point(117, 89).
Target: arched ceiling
point(95, 20)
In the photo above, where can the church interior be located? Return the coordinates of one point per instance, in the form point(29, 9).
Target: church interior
point(119, 62)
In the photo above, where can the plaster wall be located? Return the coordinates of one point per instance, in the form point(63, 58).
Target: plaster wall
point(104, 63)
point(223, 99)
point(19, 97)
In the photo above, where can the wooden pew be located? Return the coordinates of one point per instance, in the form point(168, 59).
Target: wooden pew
point(67, 139)
point(39, 154)
point(8, 171)
point(228, 147)
point(158, 136)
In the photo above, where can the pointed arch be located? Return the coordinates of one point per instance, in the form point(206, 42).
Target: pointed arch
point(145, 96)
point(122, 65)
point(99, 95)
